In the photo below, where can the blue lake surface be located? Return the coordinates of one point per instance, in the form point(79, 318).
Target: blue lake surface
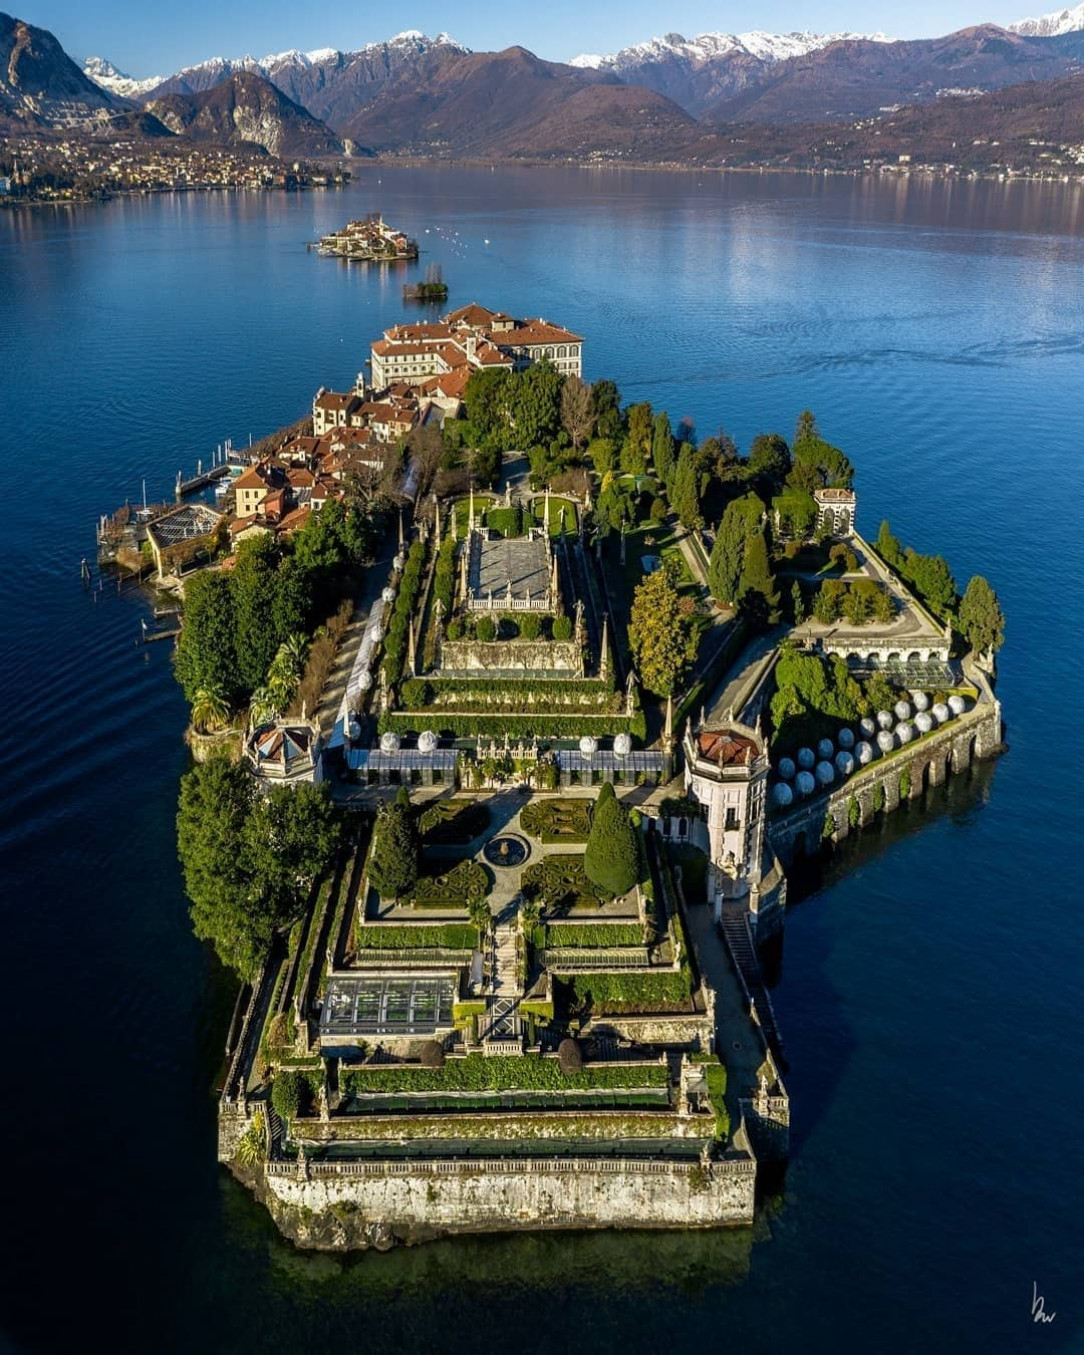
point(931, 985)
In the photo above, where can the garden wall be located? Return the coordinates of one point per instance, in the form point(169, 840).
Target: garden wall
point(511, 656)
point(332, 1206)
point(927, 762)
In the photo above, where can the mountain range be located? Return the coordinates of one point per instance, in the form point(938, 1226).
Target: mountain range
point(670, 100)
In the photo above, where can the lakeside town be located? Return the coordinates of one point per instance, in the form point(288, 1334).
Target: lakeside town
point(40, 168)
point(541, 698)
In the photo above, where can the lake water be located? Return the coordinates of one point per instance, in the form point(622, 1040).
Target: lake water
point(931, 986)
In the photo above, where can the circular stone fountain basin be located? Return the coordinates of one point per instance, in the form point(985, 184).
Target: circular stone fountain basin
point(509, 849)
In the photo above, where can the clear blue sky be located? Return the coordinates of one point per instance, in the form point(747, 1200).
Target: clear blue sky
point(157, 38)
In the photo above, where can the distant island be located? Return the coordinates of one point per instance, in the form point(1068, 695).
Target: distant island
point(512, 706)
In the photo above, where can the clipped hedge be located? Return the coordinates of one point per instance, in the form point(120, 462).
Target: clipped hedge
point(593, 934)
point(497, 1072)
point(560, 881)
point(614, 994)
point(557, 820)
point(453, 822)
point(443, 936)
point(466, 880)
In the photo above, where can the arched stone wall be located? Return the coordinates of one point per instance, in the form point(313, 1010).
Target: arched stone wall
point(977, 734)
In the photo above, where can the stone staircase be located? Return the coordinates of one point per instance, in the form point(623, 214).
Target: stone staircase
point(735, 930)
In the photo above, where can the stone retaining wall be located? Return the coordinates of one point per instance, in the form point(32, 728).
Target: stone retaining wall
point(330, 1205)
point(927, 762)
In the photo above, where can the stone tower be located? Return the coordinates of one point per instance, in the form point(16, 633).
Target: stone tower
point(726, 772)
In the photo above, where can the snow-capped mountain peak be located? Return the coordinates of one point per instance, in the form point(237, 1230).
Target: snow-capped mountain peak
point(1051, 25)
point(106, 76)
point(767, 47)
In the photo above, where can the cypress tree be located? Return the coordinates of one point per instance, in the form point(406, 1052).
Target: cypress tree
point(981, 619)
point(741, 520)
point(612, 859)
point(662, 447)
point(757, 594)
point(394, 867)
point(685, 491)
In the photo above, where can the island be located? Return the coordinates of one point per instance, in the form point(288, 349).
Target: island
point(512, 708)
point(369, 240)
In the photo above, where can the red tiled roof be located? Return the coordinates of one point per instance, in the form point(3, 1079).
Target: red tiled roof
point(726, 748)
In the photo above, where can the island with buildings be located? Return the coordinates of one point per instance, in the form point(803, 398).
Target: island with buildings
point(512, 708)
point(370, 240)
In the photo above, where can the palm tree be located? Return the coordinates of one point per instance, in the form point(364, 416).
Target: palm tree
point(264, 706)
point(297, 647)
point(210, 709)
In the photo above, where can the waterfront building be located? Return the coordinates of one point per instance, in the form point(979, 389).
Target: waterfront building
point(835, 511)
point(726, 776)
point(331, 409)
point(471, 339)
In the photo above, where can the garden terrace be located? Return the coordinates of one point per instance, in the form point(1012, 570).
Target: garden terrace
point(521, 694)
point(590, 934)
point(566, 1134)
point(611, 994)
point(458, 937)
point(480, 1072)
point(541, 724)
point(595, 1098)
point(509, 572)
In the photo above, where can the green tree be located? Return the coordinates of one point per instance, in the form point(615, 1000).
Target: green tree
point(797, 603)
point(206, 654)
point(932, 579)
point(662, 447)
point(290, 836)
point(602, 454)
point(253, 586)
point(486, 629)
point(606, 407)
point(227, 910)
point(662, 633)
point(828, 465)
point(796, 511)
point(813, 697)
point(534, 404)
point(486, 399)
point(637, 445)
point(769, 458)
point(611, 860)
point(981, 620)
point(393, 870)
point(806, 428)
point(888, 547)
point(684, 490)
point(758, 596)
point(562, 628)
point(828, 604)
point(740, 522)
point(286, 1094)
point(210, 709)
